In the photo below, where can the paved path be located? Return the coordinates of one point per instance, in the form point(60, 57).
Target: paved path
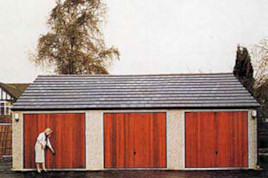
point(5, 172)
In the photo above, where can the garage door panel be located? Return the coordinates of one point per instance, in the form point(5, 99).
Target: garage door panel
point(191, 143)
point(225, 148)
point(131, 141)
point(150, 140)
point(198, 132)
point(159, 140)
point(206, 134)
point(241, 140)
point(68, 139)
point(216, 139)
point(108, 140)
point(118, 140)
point(142, 141)
point(232, 150)
point(127, 141)
point(119, 136)
point(30, 137)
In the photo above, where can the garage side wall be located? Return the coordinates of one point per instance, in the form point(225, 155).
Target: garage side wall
point(17, 142)
point(252, 141)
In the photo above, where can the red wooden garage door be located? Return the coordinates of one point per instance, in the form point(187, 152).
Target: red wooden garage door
point(68, 139)
point(216, 139)
point(135, 140)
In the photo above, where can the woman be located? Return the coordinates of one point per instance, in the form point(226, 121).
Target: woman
point(40, 145)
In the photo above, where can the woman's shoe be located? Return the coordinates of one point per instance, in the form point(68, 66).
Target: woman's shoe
point(39, 170)
point(45, 170)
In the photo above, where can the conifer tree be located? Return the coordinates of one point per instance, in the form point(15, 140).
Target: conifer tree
point(243, 69)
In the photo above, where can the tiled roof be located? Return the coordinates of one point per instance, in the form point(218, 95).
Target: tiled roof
point(14, 89)
point(220, 90)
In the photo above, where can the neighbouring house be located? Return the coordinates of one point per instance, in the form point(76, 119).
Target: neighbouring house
point(170, 122)
point(9, 93)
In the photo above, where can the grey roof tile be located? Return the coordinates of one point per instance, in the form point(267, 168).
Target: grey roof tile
point(135, 91)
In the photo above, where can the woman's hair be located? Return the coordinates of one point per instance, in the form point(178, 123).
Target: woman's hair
point(48, 131)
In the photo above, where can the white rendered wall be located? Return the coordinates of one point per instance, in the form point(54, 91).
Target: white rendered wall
point(94, 140)
point(252, 141)
point(175, 140)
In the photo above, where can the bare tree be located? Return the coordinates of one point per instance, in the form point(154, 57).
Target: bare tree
point(260, 57)
point(75, 42)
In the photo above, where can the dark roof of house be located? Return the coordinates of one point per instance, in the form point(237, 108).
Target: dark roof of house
point(14, 89)
point(216, 90)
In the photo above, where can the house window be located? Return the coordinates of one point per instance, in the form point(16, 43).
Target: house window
point(5, 109)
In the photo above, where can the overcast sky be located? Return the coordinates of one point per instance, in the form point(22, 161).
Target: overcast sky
point(153, 36)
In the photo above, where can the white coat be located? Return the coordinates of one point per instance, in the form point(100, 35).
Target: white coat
point(39, 151)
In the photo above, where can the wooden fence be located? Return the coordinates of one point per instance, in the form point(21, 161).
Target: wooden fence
point(5, 136)
point(263, 142)
point(263, 134)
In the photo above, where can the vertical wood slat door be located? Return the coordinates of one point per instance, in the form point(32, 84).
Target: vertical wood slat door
point(68, 139)
point(216, 139)
point(135, 140)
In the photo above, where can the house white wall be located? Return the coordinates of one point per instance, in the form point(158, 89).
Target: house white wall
point(94, 138)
